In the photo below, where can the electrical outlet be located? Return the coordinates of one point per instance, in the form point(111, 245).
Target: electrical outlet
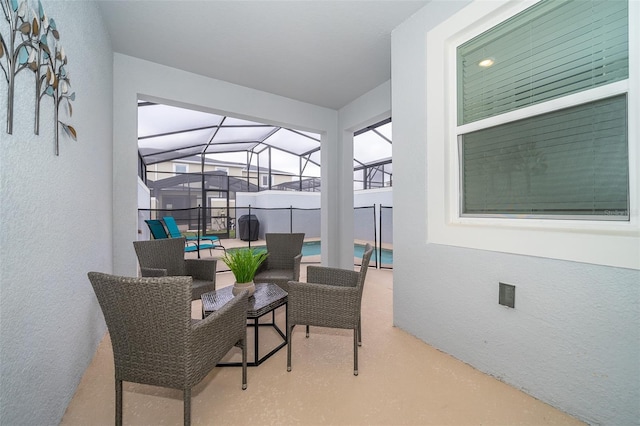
point(507, 295)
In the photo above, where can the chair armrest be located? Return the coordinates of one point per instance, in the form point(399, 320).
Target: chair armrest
point(201, 269)
point(332, 276)
point(296, 267)
point(215, 335)
point(153, 272)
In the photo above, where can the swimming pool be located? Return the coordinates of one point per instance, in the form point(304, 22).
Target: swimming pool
point(312, 248)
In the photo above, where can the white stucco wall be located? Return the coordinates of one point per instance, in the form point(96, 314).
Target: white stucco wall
point(271, 210)
point(279, 199)
point(56, 226)
point(572, 340)
point(369, 197)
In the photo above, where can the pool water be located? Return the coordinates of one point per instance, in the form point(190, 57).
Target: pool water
point(312, 248)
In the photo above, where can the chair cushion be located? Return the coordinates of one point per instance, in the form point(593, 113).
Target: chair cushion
point(274, 274)
point(199, 287)
point(281, 277)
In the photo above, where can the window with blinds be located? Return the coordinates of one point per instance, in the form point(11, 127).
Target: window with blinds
point(567, 163)
point(570, 162)
point(552, 49)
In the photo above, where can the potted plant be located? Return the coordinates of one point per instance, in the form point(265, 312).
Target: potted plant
point(244, 264)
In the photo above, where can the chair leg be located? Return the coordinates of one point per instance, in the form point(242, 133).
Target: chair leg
point(355, 351)
point(118, 402)
point(187, 407)
point(307, 332)
point(244, 363)
point(360, 331)
point(289, 335)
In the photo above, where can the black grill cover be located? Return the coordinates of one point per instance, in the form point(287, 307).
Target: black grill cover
point(248, 227)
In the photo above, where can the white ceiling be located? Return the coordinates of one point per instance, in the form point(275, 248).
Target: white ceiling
point(322, 52)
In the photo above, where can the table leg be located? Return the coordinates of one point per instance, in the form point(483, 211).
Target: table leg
point(255, 341)
point(256, 329)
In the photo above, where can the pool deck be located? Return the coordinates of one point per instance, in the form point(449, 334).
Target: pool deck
point(237, 243)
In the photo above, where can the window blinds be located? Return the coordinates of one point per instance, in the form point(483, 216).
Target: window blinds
point(572, 162)
point(551, 49)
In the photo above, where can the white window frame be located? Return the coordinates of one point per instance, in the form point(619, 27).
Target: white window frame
point(264, 180)
point(598, 242)
point(176, 165)
point(587, 96)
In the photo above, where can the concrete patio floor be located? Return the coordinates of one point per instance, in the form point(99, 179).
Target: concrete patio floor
point(402, 381)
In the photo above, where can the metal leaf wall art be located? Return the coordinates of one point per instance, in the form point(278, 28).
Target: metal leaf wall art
point(30, 42)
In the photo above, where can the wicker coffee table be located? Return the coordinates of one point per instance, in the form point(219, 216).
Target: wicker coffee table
point(267, 298)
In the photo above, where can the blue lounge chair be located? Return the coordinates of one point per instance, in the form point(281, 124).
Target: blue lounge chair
point(174, 232)
point(157, 229)
point(159, 232)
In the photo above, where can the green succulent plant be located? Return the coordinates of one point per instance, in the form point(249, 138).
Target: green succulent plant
point(244, 263)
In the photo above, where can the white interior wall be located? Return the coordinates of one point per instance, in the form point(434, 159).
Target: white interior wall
point(573, 338)
point(56, 226)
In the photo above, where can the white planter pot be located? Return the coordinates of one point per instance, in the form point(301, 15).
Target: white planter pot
point(239, 287)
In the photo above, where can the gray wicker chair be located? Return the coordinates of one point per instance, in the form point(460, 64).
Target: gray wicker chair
point(165, 257)
point(154, 339)
point(331, 297)
point(283, 263)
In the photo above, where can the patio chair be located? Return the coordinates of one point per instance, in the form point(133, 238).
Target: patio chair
point(159, 232)
point(165, 257)
point(174, 232)
point(154, 339)
point(157, 229)
point(283, 263)
point(331, 297)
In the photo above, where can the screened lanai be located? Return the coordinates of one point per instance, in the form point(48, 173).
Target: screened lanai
point(168, 134)
point(195, 162)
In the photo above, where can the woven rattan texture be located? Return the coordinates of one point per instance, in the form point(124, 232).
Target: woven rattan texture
point(266, 298)
point(166, 258)
point(331, 297)
point(153, 337)
point(283, 263)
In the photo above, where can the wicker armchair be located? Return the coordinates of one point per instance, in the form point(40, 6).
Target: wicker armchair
point(331, 297)
point(283, 263)
point(154, 339)
point(159, 258)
